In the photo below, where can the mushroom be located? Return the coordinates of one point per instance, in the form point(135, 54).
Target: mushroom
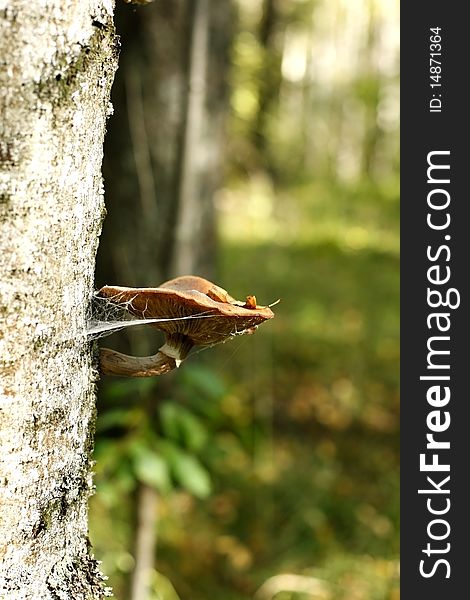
point(199, 313)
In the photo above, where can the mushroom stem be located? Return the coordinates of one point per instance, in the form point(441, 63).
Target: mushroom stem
point(115, 363)
point(169, 357)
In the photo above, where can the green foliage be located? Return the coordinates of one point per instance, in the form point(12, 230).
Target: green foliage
point(152, 468)
point(180, 425)
point(163, 588)
point(186, 470)
point(164, 447)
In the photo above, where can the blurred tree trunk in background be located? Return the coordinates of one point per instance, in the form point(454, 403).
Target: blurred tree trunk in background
point(191, 206)
point(58, 62)
point(270, 77)
point(371, 94)
point(165, 144)
point(163, 162)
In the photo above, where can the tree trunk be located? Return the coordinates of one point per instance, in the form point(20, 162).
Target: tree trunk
point(149, 151)
point(57, 65)
point(271, 77)
point(145, 542)
point(189, 214)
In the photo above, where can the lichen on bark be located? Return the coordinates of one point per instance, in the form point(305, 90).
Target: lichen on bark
point(56, 69)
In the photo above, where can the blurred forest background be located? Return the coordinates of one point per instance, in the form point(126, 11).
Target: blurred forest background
point(255, 143)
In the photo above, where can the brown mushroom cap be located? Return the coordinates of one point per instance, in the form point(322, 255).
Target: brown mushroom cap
point(191, 296)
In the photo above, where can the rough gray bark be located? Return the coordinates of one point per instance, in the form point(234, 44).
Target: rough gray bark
point(57, 63)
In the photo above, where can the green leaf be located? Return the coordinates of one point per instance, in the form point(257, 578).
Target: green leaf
point(189, 472)
point(129, 387)
point(125, 479)
point(205, 383)
point(108, 455)
point(194, 433)
point(163, 588)
point(119, 417)
point(182, 426)
point(169, 420)
point(185, 469)
point(152, 469)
